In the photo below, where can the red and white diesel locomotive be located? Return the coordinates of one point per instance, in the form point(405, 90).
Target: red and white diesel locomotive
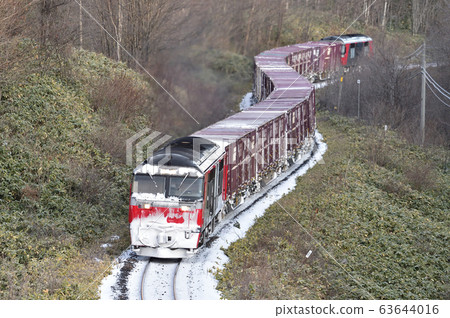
point(352, 47)
point(180, 193)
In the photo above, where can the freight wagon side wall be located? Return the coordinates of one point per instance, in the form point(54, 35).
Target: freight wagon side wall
point(260, 151)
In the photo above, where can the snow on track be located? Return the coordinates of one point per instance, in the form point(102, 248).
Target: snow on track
point(195, 277)
point(125, 275)
point(157, 283)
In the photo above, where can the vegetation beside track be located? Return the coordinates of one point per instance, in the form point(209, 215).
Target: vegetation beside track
point(64, 120)
point(378, 205)
point(66, 113)
point(61, 194)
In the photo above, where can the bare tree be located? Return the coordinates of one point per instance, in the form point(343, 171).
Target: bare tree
point(118, 25)
point(424, 12)
point(13, 25)
point(249, 24)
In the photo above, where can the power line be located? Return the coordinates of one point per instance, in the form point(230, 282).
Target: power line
point(135, 60)
point(434, 81)
point(416, 52)
point(442, 93)
point(412, 76)
point(436, 95)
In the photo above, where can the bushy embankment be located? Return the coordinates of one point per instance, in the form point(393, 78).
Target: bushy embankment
point(378, 205)
point(64, 120)
point(61, 192)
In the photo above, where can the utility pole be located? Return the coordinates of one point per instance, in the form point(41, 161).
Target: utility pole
point(422, 108)
point(120, 28)
point(81, 24)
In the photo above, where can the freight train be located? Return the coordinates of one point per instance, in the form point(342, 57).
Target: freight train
point(183, 190)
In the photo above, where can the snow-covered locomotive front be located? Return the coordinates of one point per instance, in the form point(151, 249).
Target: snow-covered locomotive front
point(166, 199)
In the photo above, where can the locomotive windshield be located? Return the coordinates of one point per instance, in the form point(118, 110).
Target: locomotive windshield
point(186, 187)
point(144, 183)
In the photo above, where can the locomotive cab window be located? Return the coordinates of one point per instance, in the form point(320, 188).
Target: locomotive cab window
point(210, 190)
point(366, 48)
point(359, 49)
point(188, 188)
point(219, 185)
point(352, 50)
point(343, 50)
point(145, 183)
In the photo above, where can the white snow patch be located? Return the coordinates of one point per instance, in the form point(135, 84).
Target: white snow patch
point(320, 85)
point(149, 196)
point(158, 283)
point(106, 288)
point(135, 277)
point(246, 101)
point(109, 288)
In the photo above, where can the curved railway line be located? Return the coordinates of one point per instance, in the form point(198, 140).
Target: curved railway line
point(192, 278)
point(182, 191)
point(159, 276)
point(158, 280)
point(262, 147)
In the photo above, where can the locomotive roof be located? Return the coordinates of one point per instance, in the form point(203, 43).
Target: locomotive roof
point(184, 152)
point(348, 38)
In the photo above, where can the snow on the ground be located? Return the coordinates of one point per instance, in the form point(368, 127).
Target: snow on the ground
point(246, 101)
point(158, 283)
point(107, 288)
point(124, 281)
point(135, 277)
point(195, 278)
point(320, 85)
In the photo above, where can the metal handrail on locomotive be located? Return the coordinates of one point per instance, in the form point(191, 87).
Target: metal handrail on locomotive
point(179, 194)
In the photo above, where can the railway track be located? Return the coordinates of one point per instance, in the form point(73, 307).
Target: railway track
point(156, 279)
point(159, 279)
point(164, 271)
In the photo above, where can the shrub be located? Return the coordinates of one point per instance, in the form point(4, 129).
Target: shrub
point(421, 177)
point(118, 99)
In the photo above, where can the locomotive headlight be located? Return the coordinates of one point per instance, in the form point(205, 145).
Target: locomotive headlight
point(185, 208)
point(147, 205)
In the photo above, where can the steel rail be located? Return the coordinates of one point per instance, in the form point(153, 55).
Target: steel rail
point(175, 279)
point(146, 273)
point(143, 278)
